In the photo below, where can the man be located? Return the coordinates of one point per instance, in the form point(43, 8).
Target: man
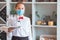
point(23, 32)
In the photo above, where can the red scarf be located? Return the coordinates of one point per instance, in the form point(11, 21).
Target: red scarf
point(20, 18)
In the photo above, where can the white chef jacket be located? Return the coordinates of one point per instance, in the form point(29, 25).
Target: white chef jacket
point(25, 27)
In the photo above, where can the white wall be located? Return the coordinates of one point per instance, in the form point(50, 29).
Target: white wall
point(58, 20)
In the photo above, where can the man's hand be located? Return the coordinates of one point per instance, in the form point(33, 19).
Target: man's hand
point(10, 29)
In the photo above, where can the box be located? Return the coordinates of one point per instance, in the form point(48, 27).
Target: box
point(48, 37)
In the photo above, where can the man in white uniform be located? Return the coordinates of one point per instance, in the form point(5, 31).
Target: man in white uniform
point(22, 24)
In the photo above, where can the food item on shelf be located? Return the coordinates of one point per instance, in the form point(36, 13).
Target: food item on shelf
point(54, 17)
point(48, 37)
point(50, 23)
point(39, 22)
point(43, 23)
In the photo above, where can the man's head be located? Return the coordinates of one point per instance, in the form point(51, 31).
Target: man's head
point(20, 8)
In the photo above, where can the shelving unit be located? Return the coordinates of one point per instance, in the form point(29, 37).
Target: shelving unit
point(48, 37)
point(31, 8)
point(45, 2)
point(2, 13)
point(23, 2)
point(42, 8)
point(43, 26)
point(3, 2)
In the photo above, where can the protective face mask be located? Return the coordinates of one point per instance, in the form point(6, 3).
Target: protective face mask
point(20, 12)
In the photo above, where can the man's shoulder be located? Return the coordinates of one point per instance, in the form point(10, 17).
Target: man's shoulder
point(27, 18)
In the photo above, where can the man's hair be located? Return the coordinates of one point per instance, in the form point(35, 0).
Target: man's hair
point(18, 3)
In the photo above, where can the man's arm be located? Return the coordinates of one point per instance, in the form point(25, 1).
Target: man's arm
point(10, 29)
point(9, 24)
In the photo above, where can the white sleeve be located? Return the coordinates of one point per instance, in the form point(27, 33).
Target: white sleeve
point(10, 21)
point(29, 30)
point(9, 36)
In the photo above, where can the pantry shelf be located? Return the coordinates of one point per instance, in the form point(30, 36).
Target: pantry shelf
point(45, 26)
point(2, 2)
point(45, 2)
point(23, 2)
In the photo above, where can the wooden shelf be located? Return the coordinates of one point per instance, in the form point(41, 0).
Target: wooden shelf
point(2, 24)
point(2, 2)
point(2, 7)
point(48, 36)
point(34, 2)
point(45, 2)
point(45, 26)
point(23, 2)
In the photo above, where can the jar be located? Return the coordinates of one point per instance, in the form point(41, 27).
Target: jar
point(39, 22)
point(50, 23)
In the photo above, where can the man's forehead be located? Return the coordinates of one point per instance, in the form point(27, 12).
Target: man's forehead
point(21, 5)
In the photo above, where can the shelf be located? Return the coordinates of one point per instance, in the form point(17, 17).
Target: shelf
point(37, 2)
point(23, 2)
point(45, 2)
point(2, 2)
point(2, 24)
point(2, 7)
point(34, 2)
point(45, 26)
point(48, 36)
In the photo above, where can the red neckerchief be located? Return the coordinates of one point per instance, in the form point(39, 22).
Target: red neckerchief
point(20, 18)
